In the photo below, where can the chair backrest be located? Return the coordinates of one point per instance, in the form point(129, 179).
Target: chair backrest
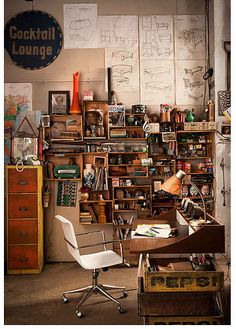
point(69, 235)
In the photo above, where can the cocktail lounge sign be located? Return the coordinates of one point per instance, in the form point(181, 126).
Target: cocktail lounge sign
point(33, 39)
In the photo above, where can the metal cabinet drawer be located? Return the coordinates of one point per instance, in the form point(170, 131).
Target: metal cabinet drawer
point(25, 181)
point(22, 206)
point(22, 257)
point(22, 231)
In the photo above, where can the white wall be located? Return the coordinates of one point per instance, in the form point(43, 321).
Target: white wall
point(221, 16)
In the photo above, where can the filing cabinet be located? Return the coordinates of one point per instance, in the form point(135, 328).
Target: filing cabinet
point(24, 220)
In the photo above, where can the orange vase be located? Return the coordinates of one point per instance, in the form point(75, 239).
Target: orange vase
point(75, 107)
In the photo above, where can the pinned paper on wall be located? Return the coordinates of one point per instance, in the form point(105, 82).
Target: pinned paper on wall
point(80, 26)
point(189, 82)
point(190, 37)
point(17, 100)
point(156, 37)
point(157, 82)
point(118, 31)
point(124, 66)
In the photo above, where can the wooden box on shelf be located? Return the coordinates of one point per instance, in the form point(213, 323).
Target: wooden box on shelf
point(95, 212)
point(65, 127)
point(95, 116)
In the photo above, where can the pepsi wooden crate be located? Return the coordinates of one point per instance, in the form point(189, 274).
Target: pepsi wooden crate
point(184, 320)
point(178, 275)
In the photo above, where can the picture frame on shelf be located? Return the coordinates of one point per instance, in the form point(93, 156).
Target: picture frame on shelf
point(116, 115)
point(99, 161)
point(58, 102)
point(157, 185)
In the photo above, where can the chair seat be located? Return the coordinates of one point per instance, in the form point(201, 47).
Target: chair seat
point(100, 259)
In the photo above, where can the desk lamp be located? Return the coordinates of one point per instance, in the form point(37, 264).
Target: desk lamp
point(173, 186)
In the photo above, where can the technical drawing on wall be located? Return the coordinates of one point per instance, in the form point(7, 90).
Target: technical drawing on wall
point(124, 68)
point(118, 31)
point(190, 37)
point(157, 82)
point(189, 82)
point(80, 26)
point(156, 37)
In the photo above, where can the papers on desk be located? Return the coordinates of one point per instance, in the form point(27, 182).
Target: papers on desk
point(153, 231)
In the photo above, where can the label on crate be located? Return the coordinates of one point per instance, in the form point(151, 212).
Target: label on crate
point(184, 281)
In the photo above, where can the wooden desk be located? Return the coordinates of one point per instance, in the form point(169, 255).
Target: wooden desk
point(208, 238)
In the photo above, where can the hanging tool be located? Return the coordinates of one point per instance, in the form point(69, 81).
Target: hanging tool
point(223, 191)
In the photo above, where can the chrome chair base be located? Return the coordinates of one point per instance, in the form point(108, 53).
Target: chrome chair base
point(94, 289)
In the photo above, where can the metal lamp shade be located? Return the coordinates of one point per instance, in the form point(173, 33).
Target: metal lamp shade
point(174, 183)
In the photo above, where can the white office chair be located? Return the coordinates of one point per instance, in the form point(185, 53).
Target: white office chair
point(93, 261)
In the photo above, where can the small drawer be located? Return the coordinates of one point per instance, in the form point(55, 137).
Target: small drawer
point(22, 257)
point(22, 231)
point(22, 206)
point(25, 181)
point(184, 320)
point(167, 279)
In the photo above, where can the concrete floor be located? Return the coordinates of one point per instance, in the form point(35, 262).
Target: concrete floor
point(37, 299)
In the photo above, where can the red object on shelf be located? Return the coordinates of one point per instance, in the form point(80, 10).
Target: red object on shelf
point(75, 106)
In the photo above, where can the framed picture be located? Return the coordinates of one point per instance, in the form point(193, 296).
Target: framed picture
point(99, 161)
point(59, 102)
point(116, 115)
point(157, 185)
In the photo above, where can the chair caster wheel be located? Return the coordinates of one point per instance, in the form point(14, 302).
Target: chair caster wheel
point(125, 294)
point(65, 300)
point(121, 309)
point(79, 314)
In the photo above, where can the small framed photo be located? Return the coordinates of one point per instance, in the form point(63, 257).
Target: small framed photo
point(99, 162)
point(157, 185)
point(45, 120)
point(59, 102)
point(116, 115)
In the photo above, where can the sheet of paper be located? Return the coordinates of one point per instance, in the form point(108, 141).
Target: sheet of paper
point(156, 37)
point(190, 37)
point(155, 230)
point(124, 66)
point(80, 26)
point(157, 82)
point(118, 31)
point(189, 82)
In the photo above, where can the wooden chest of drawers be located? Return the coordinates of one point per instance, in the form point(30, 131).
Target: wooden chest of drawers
point(24, 220)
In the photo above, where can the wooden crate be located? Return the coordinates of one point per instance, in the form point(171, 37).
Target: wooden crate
point(184, 320)
point(173, 303)
point(180, 281)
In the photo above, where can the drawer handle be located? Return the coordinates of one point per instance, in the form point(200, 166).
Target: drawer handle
point(23, 209)
point(23, 259)
point(22, 182)
point(22, 234)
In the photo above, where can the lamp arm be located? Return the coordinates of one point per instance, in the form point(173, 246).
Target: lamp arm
point(203, 201)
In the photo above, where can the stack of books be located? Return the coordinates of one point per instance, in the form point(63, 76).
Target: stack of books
point(117, 133)
point(85, 217)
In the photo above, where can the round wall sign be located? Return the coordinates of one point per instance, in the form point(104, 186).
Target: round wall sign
point(33, 39)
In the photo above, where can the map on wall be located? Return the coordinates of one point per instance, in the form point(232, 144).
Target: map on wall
point(17, 102)
point(190, 37)
point(124, 68)
point(156, 37)
point(189, 82)
point(157, 82)
point(118, 31)
point(80, 26)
